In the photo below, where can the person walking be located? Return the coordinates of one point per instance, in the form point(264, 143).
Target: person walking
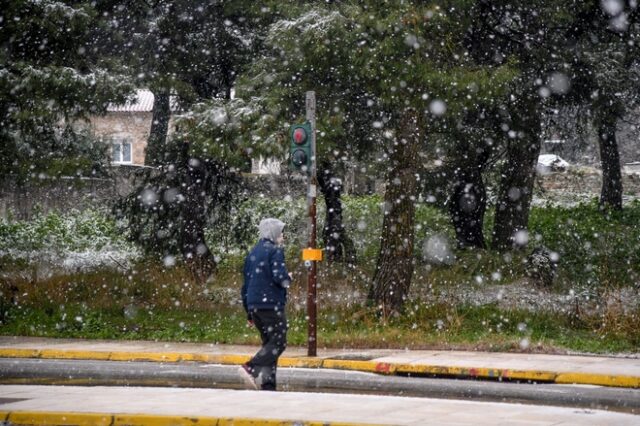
point(264, 296)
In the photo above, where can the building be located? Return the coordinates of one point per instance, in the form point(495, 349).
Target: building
point(126, 128)
point(266, 166)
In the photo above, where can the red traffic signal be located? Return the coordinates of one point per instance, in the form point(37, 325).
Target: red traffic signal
point(299, 136)
point(300, 150)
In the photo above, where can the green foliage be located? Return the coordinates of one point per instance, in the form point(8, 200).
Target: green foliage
point(69, 152)
point(171, 208)
point(362, 219)
point(191, 48)
point(72, 231)
point(241, 231)
point(597, 251)
point(74, 321)
point(390, 57)
point(231, 131)
point(48, 79)
point(152, 302)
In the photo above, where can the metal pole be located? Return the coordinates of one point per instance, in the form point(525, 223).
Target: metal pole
point(312, 341)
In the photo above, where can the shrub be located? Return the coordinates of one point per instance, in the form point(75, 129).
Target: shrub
point(596, 250)
point(72, 240)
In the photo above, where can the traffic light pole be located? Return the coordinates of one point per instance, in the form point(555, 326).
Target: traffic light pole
point(312, 342)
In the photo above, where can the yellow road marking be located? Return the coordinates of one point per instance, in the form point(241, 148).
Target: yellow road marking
point(24, 418)
point(598, 379)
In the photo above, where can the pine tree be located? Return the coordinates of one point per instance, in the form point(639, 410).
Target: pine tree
point(606, 78)
point(191, 50)
point(564, 54)
point(49, 78)
point(296, 59)
point(532, 37)
point(390, 77)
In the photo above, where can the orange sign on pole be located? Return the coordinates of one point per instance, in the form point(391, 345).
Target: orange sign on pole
point(312, 254)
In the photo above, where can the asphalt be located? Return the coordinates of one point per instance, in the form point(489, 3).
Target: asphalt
point(621, 372)
point(554, 381)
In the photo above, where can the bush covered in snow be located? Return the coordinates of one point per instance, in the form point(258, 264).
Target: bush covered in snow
point(591, 251)
point(75, 240)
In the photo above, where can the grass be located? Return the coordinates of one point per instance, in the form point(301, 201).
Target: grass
point(158, 304)
point(429, 327)
point(598, 252)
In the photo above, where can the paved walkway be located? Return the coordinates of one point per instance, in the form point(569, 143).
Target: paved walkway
point(596, 370)
point(46, 405)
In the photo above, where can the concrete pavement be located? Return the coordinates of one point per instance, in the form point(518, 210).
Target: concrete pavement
point(562, 369)
point(49, 405)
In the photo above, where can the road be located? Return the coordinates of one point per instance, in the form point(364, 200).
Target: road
point(198, 375)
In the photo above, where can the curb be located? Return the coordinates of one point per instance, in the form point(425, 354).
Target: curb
point(364, 366)
point(107, 419)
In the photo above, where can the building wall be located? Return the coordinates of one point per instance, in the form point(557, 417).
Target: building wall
point(135, 125)
point(268, 166)
point(65, 194)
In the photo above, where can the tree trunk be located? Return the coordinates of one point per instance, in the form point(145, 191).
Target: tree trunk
point(394, 267)
point(611, 194)
point(468, 202)
point(516, 184)
point(193, 245)
point(159, 128)
point(339, 247)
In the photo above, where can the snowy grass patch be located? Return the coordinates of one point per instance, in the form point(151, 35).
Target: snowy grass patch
point(72, 241)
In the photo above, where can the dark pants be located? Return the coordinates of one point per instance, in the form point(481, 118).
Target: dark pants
point(272, 325)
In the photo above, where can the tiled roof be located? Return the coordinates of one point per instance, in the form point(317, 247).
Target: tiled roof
point(143, 103)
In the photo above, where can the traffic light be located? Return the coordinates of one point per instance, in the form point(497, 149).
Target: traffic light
point(300, 150)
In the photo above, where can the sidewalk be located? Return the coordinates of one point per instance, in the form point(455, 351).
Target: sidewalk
point(564, 369)
point(71, 405)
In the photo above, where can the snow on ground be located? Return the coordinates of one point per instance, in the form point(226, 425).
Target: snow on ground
point(46, 263)
point(527, 296)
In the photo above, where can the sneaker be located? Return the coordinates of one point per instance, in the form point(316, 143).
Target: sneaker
point(245, 374)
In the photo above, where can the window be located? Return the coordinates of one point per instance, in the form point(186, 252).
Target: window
point(121, 151)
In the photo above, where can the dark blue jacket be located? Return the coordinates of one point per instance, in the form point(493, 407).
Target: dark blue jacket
point(265, 278)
